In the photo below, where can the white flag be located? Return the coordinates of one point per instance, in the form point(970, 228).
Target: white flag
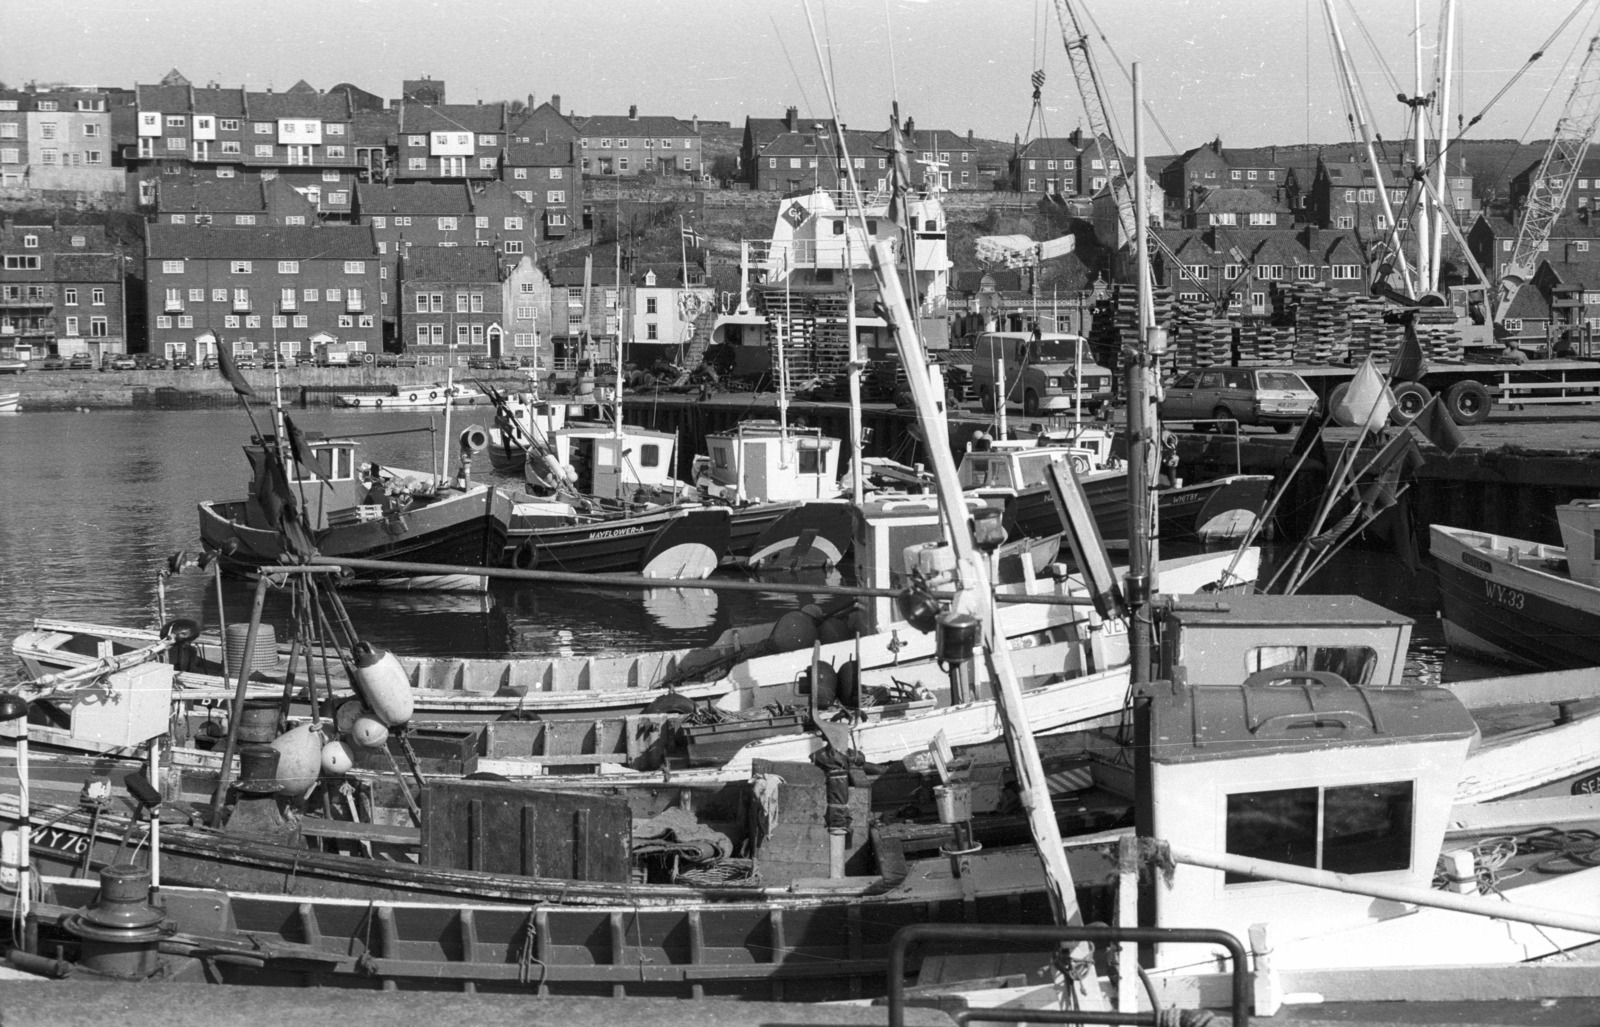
point(1367, 401)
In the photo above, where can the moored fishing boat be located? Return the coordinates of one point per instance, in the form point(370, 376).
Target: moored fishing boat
point(10, 402)
point(1520, 601)
point(432, 396)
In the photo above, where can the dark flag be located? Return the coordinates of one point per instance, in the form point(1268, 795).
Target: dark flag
point(900, 173)
point(277, 502)
point(1397, 524)
point(1400, 452)
point(301, 450)
point(1310, 435)
point(1408, 364)
point(1438, 427)
point(230, 372)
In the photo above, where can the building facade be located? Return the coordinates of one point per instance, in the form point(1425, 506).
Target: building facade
point(627, 147)
point(452, 305)
point(543, 169)
point(61, 291)
point(289, 289)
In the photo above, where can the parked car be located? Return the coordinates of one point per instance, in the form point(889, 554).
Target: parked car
point(279, 361)
point(184, 363)
point(118, 362)
point(209, 362)
point(13, 366)
point(245, 363)
point(1246, 395)
point(149, 362)
point(81, 362)
point(53, 364)
point(481, 363)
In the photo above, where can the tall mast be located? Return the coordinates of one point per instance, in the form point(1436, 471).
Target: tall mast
point(1140, 421)
point(1427, 277)
point(857, 488)
point(1447, 47)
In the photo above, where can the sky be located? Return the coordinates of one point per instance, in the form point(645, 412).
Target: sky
point(1251, 72)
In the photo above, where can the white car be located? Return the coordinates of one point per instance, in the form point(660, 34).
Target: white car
point(1227, 396)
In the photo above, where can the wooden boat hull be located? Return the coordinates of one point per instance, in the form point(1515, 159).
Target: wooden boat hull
point(677, 542)
point(1219, 509)
point(812, 533)
point(469, 529)
point(10, 402)
point(1515, 610)
point(421, 397)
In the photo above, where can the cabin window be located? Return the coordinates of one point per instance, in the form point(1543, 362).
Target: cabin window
point(1035, 468)
point(811, 461)
point(650, 455)
point(719, 456)
point(978, 474)
point(1354, 829)
point(1355, 663)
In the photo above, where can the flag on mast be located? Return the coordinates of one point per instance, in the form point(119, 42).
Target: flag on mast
point(690, 235)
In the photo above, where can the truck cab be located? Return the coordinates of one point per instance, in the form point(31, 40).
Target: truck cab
point(1043, 371)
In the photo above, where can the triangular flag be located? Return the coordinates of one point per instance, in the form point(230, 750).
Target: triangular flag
point(1400, 452)
point(1438, 427)
point(1367, 401)
point(1408, 363)
point(230, 372)
point(302, 450)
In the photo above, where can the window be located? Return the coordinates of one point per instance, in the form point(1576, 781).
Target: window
point(362, 321)
point(240, 267)
point(308, 295)
point(263, 150)
point(524, 339)
point(230, 321)
point(163, 321)
point(252, 321)
point(513, 246)
point(197, 295)
point(1344, 272)
point(1225, 218)
point(422, 335)
point(417, 164)
point(477, 303)
point(555, 196)
point(1381, 222)
point(1264, 219)
point(241, 299)
point(650, 305)
point(280, 321)
point(461, 303)
point(334, 153)
point(422, 303)
point(301, 321)
point(298, 219)
point(557, 174)
point(72, 326)
point(353, 300)
point(1354, 829)
point(346, 321)
point(93, 157)
point(174, 299)
point(8, 130)
point(524, 312)
point(447, 224)
point(1366, 195)
point(461, 335)
point(650, 330)
point(622, 163)
point(176, 121)
point(1270, 272)
point(228, 146)
point(1583, 246)
point(1198, 272)
point(229, 124)
point(1305, 272)
point(69, 297)
point(1513, 324)
point(512, 224)
point(244, 219)
point(650, 455)
point(22, 263)
point(402, 222)
point(355, 267)
point(184, 321)
point(1345, 221)
point(487, 163)
point(219, 295)
point(287, 298)
point(10, 155)
point(436, 301)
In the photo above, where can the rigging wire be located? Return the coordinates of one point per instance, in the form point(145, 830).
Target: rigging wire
point(1127, 76)
point(793, 71)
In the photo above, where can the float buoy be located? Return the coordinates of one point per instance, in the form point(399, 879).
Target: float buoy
point(356, 401)
point(369, 732)
point(377, 402)
point(337, 759)
point(526, 558)
point(384, 685)
point(474, 439)
point(299, 758)
point(413, 397)
point(793, 631)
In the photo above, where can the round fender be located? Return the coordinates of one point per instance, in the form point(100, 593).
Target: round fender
point(356, 401)
point(377, 402)
point(369, 358)
point(526, 558)
point(434, 394)
point(413, 397)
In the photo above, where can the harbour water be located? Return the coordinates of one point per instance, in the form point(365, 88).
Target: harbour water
point(96, 503)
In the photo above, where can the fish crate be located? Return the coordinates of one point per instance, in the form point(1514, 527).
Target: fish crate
point(440, 750)
point(710, 745)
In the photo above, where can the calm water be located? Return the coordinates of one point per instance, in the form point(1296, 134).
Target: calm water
point(95, 503)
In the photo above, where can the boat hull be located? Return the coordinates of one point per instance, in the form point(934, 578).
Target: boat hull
point(678, 542)
point(813, 533)
point(1505, 609)
point(469, 530)
point(1220, 509)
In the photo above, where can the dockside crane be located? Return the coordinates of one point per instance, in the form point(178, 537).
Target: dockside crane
point(1552, 183)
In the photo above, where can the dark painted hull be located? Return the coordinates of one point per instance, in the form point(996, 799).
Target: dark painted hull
point(1183, 513)
point(1496, 609)
point(309, 918)
point(468, 530)
point(812, 533)
point(623, 546)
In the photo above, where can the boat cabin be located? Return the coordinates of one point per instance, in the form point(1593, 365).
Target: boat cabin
point(329, 497)
point(1580, 525)
point(764, 462)
point(1000, 465)
point(1317, 759)
point(610, 464)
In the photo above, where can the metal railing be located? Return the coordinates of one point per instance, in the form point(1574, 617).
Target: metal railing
point(1053, 936)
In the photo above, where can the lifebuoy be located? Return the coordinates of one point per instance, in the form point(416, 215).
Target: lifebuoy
point(377, 402)
point(413, 397)
point(526, 558)
point(433, 395)
point(357, 401)
point(369, 358)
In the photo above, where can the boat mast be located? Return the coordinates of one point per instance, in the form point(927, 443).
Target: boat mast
point(1447, 34)
point(857, 488)
point(1427, 274)
point(1142, 425)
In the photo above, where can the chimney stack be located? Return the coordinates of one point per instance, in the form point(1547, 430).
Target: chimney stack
point(555, 101)
point(633, 112)
point(792, 119)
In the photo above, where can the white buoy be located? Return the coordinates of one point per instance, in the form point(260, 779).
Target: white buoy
point(337, 759)
point(369, 732)
point(384, 685)
point(299, 758)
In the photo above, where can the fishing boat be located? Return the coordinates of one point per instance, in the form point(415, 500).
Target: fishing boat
point(363, 510)
point(782, 485)
point(433, 396)
point(1519, 601)
point(10, 402)
point(522, 424)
